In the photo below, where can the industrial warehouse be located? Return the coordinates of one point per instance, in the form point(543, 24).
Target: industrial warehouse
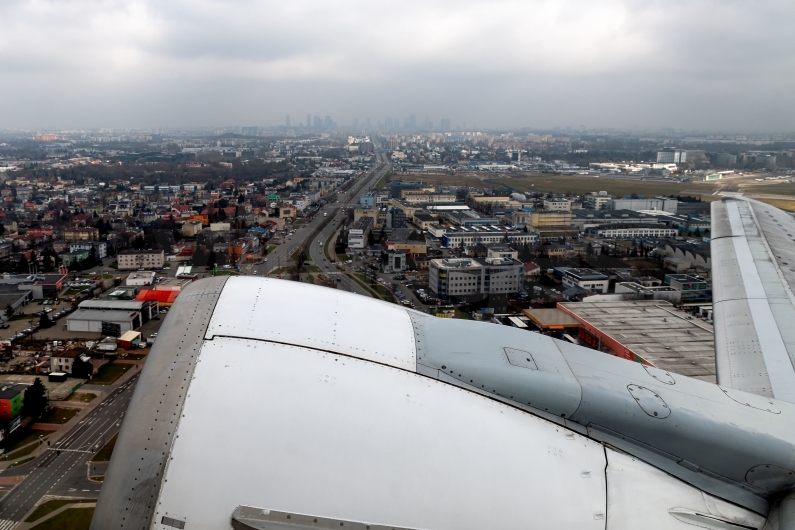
point(649, 331)
point(111, 317)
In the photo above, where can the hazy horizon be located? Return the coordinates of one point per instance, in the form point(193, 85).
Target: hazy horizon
point(696, 65)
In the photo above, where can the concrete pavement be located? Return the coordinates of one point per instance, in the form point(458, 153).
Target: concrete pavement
point(61, 468)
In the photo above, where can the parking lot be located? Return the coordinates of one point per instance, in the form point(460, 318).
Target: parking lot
point(28, 321)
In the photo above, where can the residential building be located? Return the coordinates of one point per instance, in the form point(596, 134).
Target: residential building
point(284, 211)
point(11, 398)
point(140, 259)
point(587, 279)
point(463, 277)
point(191, 228)
point(72, 257)
point(64, 361)
point(81, 234)
point(220, 227)
point(100, 247)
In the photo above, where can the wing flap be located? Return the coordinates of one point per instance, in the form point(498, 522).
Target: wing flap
point(753, 251)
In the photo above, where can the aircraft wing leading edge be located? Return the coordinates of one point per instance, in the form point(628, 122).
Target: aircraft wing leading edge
point(753, 270)
point(269, 404)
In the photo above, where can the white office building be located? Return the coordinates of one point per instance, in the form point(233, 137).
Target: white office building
point(587, 279)
point(475, 276)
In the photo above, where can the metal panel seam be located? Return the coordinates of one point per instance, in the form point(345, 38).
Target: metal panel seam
point(127, 498)
point(319, 349)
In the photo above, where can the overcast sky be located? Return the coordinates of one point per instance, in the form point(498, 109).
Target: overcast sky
point(711, 65)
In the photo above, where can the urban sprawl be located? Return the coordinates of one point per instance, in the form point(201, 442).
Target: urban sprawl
point(596, 237)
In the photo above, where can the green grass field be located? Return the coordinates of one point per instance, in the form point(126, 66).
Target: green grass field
point(31, 436)
point(71, 519)
point(83, 397)
point(25, 451)
point(618, 187)
point(538, 182)
point(108, 373)
point(382, 181)
point(103, 455)
point(772, 189)
point(58, 415)
point(50, 506)
point(782, 204)
point(20, 462)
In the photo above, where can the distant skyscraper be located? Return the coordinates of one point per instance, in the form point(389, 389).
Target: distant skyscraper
point(249, 131)
point(309, 120)
point(287, 121)
point(445, 124)
point(318, 122)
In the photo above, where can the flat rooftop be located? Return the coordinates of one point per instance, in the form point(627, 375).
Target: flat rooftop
point(122, 305)
point(552, 318)
point(108, 315)
point(485, 229)
point(655, 331)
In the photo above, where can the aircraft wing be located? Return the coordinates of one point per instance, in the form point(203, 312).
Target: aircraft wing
point(753, 271)
point(269, 404)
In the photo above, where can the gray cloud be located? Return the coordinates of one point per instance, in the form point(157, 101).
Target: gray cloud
point(691, 64)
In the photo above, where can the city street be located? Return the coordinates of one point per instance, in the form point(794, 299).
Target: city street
point(61, 471)
point(318, 243)
point(282, 255)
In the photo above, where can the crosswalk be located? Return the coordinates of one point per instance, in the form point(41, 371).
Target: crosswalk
point(7, 524)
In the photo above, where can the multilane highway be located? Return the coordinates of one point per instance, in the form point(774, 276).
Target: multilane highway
point(318, 243)
point(282, 255)
point(62, 469)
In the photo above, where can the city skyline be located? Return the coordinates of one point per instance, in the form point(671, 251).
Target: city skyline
point(707, 65)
